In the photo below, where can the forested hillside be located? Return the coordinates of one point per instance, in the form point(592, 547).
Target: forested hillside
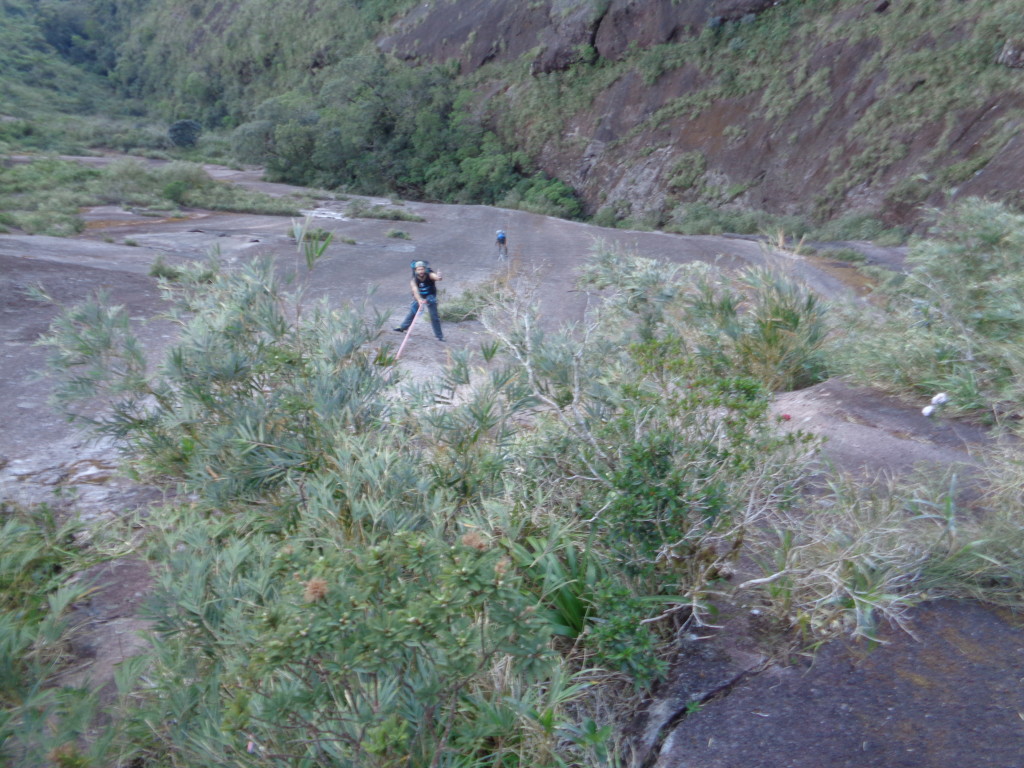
point(49, 60)
point(740, 115)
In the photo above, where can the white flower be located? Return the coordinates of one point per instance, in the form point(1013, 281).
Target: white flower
point(928, 410)
point(940, 398)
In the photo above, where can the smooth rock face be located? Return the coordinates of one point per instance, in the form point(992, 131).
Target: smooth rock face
point(948, 695)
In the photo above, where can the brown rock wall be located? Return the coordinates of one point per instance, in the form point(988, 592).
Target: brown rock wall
point(646, 23)
point(475, 32)
point(808, 159)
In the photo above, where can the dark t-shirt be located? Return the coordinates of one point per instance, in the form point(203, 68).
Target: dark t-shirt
point(425, 286)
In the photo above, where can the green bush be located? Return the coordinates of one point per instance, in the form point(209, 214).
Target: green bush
point(380, 652)
point(130, 182)
point(771, 328)
point(283, 418)
point(25, 135)
point(387, 127)
point(658, 449)
point(45, 195)
point(472, 300)
point(252, 142)
point(605, 217)
point(368, 575)
point(185, 133)
point(857, 226)
point(756, 324)
point(301, 231)
point(707, 219)
point(544, 195)
point(857, 555)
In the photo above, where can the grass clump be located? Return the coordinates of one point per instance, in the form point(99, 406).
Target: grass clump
point(41, 567)
point(162, 270)
point(625, 446)
point(708, 219)
point(768, 327)
point(361, 209)
point(187, 184)
point(469, 304)
point(955, 322)
point(756, 324)
point(302, 231)
point(859, 555)
point(43, 196)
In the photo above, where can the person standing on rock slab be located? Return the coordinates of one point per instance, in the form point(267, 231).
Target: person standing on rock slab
point(424, 291)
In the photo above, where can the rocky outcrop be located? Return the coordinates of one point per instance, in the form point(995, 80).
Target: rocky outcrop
point(1012, 54)
point(476, 32)
point(645, 24)
point(632, 149)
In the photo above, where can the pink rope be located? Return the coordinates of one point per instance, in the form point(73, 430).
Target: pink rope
point(408, 331)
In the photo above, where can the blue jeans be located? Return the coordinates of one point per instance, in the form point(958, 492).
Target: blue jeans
point(435, 321)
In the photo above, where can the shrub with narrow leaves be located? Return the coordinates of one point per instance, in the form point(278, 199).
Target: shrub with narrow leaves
point(185, 133)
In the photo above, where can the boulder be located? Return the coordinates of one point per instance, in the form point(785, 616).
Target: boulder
point(1012, 54)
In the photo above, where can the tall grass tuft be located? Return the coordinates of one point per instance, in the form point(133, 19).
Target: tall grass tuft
point(768, 327)
point(955, 322)
point(862, 554)
point(757, 323)
point(472, 300)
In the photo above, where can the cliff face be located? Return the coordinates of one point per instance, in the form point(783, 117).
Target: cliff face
point(552, 32)
point(792, 107)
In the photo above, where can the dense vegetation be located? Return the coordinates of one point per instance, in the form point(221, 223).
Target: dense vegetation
point(488, 568)
point(302, 89)
point(43, 68)
point(485, 568)
point(328, 113)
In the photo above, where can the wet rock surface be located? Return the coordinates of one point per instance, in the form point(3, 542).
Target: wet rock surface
point(947, 693)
